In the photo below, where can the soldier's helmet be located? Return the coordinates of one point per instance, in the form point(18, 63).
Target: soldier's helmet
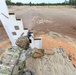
point(23, 42)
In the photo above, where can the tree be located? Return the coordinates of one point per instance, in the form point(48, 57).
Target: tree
point(8, 2)
point(30, 3)
point(19, 3)
point(72, 2)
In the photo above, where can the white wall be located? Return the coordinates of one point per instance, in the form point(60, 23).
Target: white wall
point(9, 22)
point(38, 43)
point(19, 24)
point(12, 16)
point(3, 8)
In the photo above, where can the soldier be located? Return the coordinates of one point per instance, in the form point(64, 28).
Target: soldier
point(24, 43)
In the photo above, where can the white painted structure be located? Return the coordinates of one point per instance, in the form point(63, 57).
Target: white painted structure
point(3, 8)
point(38, 43)
point(10, 23)
point(14, 27)
point(17, 27)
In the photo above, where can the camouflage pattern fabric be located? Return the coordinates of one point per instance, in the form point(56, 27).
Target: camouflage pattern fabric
point(23, 42)
point(13, 61)
point(8, 60)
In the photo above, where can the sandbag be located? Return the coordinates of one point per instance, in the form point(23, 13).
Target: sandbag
point(38, 53)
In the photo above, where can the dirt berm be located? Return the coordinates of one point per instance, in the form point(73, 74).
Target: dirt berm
point(57, 63)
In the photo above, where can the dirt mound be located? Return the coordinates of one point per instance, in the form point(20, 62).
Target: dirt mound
point(56, 64)
point(55, 40)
